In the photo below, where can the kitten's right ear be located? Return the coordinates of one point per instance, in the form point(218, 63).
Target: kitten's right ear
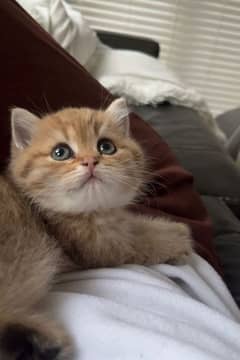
point(23, 126)
point(119, 111)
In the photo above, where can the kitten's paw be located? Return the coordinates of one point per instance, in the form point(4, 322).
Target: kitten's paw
point(183, 246)
point(20, 342)
point(181, 260)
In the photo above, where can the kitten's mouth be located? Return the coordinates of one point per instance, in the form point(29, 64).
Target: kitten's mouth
point(90, 179)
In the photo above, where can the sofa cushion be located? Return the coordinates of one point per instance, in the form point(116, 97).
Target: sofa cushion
point(197, 150)
point(227, 242)
point(229, 122)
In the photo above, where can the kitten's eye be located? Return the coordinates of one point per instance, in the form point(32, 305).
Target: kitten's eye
point(106, 147)
point(62, 152)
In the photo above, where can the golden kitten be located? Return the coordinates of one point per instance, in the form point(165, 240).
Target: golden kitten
point(71, 176)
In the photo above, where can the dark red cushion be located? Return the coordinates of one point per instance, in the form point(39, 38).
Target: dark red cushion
point(37, 74)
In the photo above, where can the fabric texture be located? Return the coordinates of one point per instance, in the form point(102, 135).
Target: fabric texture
point(66, 26)
point(163, 312)
point(37, 74)
point(39, 10)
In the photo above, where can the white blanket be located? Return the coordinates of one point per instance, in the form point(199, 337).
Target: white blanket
point(163, 312)
point(140, 78)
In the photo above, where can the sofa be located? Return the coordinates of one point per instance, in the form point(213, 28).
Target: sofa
point(217, 178)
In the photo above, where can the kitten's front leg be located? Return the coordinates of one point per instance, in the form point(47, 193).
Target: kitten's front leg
point(160, 240)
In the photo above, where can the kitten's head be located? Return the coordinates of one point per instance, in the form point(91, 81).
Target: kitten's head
point(76, 160)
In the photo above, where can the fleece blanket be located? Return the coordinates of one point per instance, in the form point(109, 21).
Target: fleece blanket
point(140, 78)
point(161, 312)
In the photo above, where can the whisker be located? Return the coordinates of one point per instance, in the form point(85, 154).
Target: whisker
point(105, 101)
point(36, 107)
point(49, 110)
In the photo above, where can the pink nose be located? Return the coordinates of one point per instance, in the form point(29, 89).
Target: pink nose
point(90, 162)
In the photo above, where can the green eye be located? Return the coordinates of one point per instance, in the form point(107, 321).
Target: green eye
point(62, 152)
point(106, 147)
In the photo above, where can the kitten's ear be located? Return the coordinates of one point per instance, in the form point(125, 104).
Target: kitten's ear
point(23, 126)
point(119, 111)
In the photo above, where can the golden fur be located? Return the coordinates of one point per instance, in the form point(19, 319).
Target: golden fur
point(29, 259)
point(54, 214)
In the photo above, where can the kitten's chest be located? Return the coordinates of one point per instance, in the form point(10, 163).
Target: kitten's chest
point(93, 229)
point(90, 241)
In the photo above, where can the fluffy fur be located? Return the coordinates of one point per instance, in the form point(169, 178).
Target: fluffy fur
point(70, 213)
point(29, 259)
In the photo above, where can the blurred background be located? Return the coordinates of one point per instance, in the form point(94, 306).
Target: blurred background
point(199, 39)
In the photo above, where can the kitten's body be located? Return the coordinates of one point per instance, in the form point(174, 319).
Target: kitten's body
point(76, 205)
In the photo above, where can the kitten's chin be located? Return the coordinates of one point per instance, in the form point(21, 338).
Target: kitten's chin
point(95, 197)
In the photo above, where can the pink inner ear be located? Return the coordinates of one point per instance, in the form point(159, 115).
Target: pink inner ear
point(23, 126)
point(118, 108)
point(119, 111)
point(21, 136)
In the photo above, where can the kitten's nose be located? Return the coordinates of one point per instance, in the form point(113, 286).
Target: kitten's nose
point(90, 162)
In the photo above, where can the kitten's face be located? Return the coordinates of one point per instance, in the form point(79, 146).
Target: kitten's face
point(76, 160)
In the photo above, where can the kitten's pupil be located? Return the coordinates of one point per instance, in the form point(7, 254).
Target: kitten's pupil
point(59, 152)
point(62, 152)
point(106, 146)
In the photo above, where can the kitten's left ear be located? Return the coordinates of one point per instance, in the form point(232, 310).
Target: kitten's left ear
point(119, 111)
point(23, 126)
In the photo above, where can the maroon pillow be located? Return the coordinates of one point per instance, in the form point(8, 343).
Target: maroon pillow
point(37, 74)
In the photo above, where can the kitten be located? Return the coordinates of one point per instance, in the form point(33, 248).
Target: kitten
point(81, 168)
point(71, 176)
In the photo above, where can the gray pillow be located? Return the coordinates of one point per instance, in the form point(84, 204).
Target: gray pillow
point(227, 242)
point(229, 122)
point(197, 150)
